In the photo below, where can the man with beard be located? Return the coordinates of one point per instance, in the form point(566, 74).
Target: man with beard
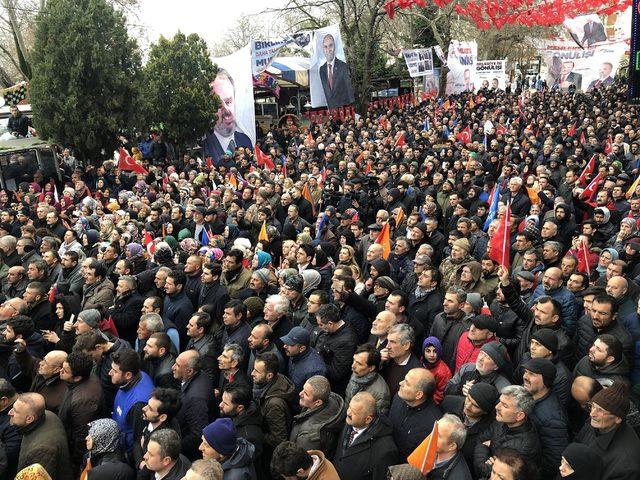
point(605, 361)
point(158, 360)
point(125, 311)
point(18, 328)
point(234, 276)
point(552, 286)
point(237, 403)
point(193, 272)
point(159, 413)
point(212, 292)
point(450, 323)
point(39, 308)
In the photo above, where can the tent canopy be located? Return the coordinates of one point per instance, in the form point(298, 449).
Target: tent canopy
point(290, 71)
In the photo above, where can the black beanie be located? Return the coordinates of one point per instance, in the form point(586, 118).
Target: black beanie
point(485, 395)
point(547, 338)
point(544, 367)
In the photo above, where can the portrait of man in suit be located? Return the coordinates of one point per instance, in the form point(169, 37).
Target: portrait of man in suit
point(604, 78)
point(335, 77)
point(593, 33)
point(468, 84)
point(225, 136)
point(568, 77)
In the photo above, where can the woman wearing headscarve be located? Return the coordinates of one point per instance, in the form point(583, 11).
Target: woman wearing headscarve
point(134, 252)
point(104, 459)
point(580, 462)
point(261, 260)
point(607, 256)
point(311, 279)
point(33, 472)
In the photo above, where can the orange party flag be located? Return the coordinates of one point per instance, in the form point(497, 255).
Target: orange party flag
point(399, 217)
point(384, 239)
point(306, 193)
point(424, 457)
point(263, 236)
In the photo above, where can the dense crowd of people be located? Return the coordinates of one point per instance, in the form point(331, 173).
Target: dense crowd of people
point(212, 320)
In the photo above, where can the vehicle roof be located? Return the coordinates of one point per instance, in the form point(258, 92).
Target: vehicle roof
point(23, 144)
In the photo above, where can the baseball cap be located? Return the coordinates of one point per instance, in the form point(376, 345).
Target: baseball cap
point(297, 336)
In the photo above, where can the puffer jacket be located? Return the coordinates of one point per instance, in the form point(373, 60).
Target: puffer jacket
point(318, 429)
point(468, 372)
point(586, 334)
point(561, 384)
point(616, 371)
point(239, 466)
point(304, 366)
point(550, 419)
point(522, 439)
point(568, 302)
point(510, 326)
point(276, 412)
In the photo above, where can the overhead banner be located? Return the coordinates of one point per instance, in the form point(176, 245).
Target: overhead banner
point(419, 61)
point(264, 51)
point(329, 77)
point(461, 60)
point(569, 66)
point(586, 30)
point(235, 126)
point(491, 74)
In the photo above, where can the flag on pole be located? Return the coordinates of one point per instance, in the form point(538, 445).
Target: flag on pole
point(424, 456)
point(633, 187)
point(591, 189)
point(283, 160)
point(306, 193)
point(56, 197)
point(500, 243)
point(446, 105)
point(127, 163)
point(426, 125)
point(533, 195)
point(583, 259)
point(493, 207)
point(608, 145)
point(572, 130)
point(263, 236)
point(384, 239)
point(501, 129)
point(399, 217)
point(323, 222)
point(589, 168)
point(400, 141)
point(204, 237)
point(233, 180)
point(263, 159)
point(465, 135)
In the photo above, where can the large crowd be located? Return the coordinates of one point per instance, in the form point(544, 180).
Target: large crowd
point(212, 320)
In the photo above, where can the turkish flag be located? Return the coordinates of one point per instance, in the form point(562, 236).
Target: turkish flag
point(583, 259)
point(500, 243)
point(400, 141)
point(464, 136)
point(127, 163)
point(501, 129)
point(588, 170)
point(583, 139)
point(590, 191)
point(608, 146)
point(263, 159)
point(572, 130)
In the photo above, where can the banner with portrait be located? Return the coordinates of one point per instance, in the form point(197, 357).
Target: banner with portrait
point(461, 60)
point(431, 84)
point(491, 74)
point(569, 66)
point(329, 76)
point(235, 126)
point(586, 30)
point(419, 61)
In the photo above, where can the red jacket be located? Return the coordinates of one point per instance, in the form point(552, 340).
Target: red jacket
point(442, 375)
point(467, 352)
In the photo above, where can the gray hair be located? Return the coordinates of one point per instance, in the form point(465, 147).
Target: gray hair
point(555, 245)
point(8, 242)
point(237, 354)
point(524, 400)
point(321, 388)
point(130, 280)
point(459, 431)
point(280, 303)
point(405, 332)
point(207, 469)
point(154, 322)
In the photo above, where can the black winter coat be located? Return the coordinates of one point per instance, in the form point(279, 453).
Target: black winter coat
point(110, 466)
point(10, 439)
point(214, 294)
point(249, 426)
point(411, 424)
point(195, 412)
point(425, 309)
point(336, 349)
point(448, 331)
point(510, 326)
point(125, 313)
point(550, 419)
point(370, 455)
point(586, 334)
point(522, 439)
point(455, 469)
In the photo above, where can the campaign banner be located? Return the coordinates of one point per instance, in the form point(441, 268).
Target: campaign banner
point(419, 61)
point(264, 51)
point(235, 125)
point(461, 60)
point(265, 80)
point(491, 74)
point(586, 30)
point(329, 77)
point(569, 66)
point(431, 84)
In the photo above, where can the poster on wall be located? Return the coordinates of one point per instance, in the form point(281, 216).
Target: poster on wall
point(461, 60)
point(491, 75)
point(329, 77)
point(569, 66)
point(235, 125)
point(419, 61)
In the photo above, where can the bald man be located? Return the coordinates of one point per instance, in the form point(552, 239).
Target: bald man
point(380, 329)
point(365, 447)
point(552, 286)
point(618, 288)
point(44, 440)
point(44, 374)
point(16, 282)
point(12, 308)
point(583, 389)
point(197, 398)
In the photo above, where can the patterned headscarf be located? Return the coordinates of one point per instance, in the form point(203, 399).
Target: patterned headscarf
point(135, 250)
point(105, 434)
point(33, 472)
point(189, 245)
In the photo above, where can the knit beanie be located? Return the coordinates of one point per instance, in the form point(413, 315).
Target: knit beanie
point(485, 395)
point(498, 353)
point(221, 435)
point(544, 367)
point(405, 472)
point(91, 317)
point(547, 338)
point(262, 274)
point(614, 399)
point(463, 243)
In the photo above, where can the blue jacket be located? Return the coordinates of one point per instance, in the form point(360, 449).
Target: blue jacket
point(178, 309)
point(126, 398)
point(304, 366)
point(567, 302)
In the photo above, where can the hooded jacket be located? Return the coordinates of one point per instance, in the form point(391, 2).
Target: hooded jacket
point(239, 466)
point(317, 429)
point(615, 371)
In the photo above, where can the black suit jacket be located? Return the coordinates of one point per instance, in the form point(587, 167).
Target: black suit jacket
point(593, 33)
point(341, 92)
point(213, 149)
